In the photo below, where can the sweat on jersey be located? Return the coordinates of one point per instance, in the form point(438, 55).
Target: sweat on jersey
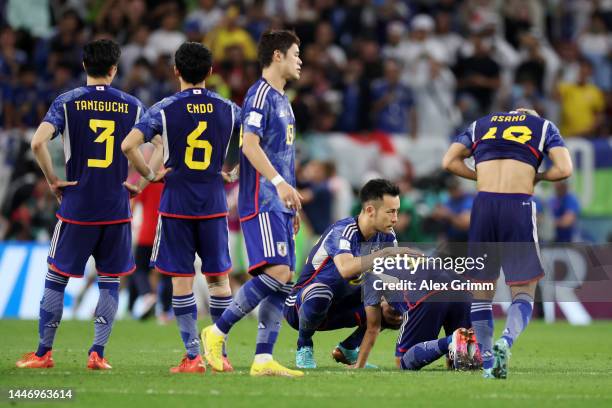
point(196, 126)
point(268, 114)
point(93, 121)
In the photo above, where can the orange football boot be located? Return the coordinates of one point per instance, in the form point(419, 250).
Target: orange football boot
point(188, 365)
point(96, 362)
point(31, 360)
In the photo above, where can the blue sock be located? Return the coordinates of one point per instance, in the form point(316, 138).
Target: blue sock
point(105, 312)
point(518, 317)
point(217, 305)
point(186, 313)
point(270, 317)
point(482, 323)
point(249, 296)
point(354, 340)
point(312, 313)
point(422, 354)
point(51, 310)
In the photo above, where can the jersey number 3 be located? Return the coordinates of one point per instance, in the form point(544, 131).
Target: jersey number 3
point(107, 136)
point(194, 143)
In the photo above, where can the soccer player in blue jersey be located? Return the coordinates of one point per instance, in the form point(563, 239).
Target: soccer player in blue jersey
point(192, 128)
point(508, 148)
point(267, 204)
point(94, 214)
point(425, 312)
point(327, 295)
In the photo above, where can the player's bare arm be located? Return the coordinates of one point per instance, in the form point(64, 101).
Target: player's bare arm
point(453, 161)
point(350, 266)
point(43, 135)
point(130, 147)
point(561, 167)
point(374, 323)
point(253, 151)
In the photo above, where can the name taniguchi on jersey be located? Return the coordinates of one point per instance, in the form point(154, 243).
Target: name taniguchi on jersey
point(94, 215)
point(195, 126)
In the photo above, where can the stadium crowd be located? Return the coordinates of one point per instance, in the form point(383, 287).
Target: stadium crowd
point(417, 69)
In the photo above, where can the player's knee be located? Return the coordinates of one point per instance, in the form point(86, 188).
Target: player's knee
point(528, 289)
point(281, 273)
point(182, 285)
point(219, 286)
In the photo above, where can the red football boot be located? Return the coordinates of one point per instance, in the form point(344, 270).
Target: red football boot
point(188, 365)
point(31, 360)
point(96, 362)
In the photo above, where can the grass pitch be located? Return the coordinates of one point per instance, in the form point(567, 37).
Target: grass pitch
point(552, 365)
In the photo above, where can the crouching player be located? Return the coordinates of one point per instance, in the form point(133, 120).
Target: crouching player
point(424, 314)
point(326, 296)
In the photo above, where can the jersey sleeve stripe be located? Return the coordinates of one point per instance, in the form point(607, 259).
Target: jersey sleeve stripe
point(262, 98)
point(544, 134)
point(165, 136)
point(473, 131)
point(262, 85)
point(66, 137)
point(137, 115)
point(263, 236)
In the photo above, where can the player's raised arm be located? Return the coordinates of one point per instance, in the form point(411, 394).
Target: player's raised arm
point(41, 138)
point(453, 161)
point(253, 151)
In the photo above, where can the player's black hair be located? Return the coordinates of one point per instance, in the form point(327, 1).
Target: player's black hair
point(377, 188)
point(193, 61)
point(99, 56)
point(274, 40)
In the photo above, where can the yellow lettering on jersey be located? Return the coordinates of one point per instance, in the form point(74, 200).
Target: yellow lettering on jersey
point(200, 107)
point(107, 136)
point(102, 106)
point(194, 143)
point(517, 133)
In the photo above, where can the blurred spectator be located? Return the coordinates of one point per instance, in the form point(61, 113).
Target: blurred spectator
point(478, 78)
point(350, 111)
point(134, 49)
point(570, 62)
point(454, 213)
point(113, 20)
point(29, 108)
point(539, 63)
point(419, 47)
point(11, 58)
point(582, 104)
point(446, 38)
point(206, 16)
point(393, 103)
point(316, 190)
point(565, 209)
point(595, 44)
point(31, 15)
point(137, 82)
point(166, 39)
point(229, 33)
point(62, 82)
point(66, 44)
point(164, 83)
point(330, 54)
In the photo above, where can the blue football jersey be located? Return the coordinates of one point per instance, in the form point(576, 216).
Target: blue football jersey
point(511, 135)
point(196, 126)
point(93, 121)
point(341, 237)
point(268, 114)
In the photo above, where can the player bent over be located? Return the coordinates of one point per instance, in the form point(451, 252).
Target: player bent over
point(508, 148)
point(94, 214)
point(328, 294)
point(192, 130)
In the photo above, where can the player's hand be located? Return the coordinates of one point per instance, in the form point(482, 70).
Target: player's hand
point(392, 251)
point(289, 196)
point(132, 189)
point(159, 176)
point(296, 223)
point(57, 187)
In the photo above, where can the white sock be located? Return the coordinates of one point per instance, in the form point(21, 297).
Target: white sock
point(263, 358)
point(217, 331)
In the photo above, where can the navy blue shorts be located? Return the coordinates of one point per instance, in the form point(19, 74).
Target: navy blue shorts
point(510, 219)
point(73, 244)
point(178, 240)
point(346, 313)
point(269, 240)
point(424, 322)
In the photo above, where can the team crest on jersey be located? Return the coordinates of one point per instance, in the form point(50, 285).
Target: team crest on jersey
point(281, 248)
point(255, 119)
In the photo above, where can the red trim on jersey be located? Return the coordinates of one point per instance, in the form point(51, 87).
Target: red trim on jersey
point(116, 274)
point(160, 270)
point(421, 300)
point(93, 222)
point(225, 272)
point(57, 270)
point(193, 217)
point(256, 199)
point(258, 265)
point(534, 151)
point(358, 318)
point(315, 273)
point(402, 350)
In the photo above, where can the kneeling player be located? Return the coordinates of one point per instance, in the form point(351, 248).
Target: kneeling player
point(424, 314)
point(325, 296)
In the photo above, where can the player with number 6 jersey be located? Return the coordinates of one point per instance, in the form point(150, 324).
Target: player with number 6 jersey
point(94, 214)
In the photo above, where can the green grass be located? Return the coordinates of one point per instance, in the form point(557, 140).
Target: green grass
point(553, 365)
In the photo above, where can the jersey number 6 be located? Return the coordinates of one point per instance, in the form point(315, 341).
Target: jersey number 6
point(194, 143)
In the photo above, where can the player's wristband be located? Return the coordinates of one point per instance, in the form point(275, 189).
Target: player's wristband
point(277, 180)
point(151, 176)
